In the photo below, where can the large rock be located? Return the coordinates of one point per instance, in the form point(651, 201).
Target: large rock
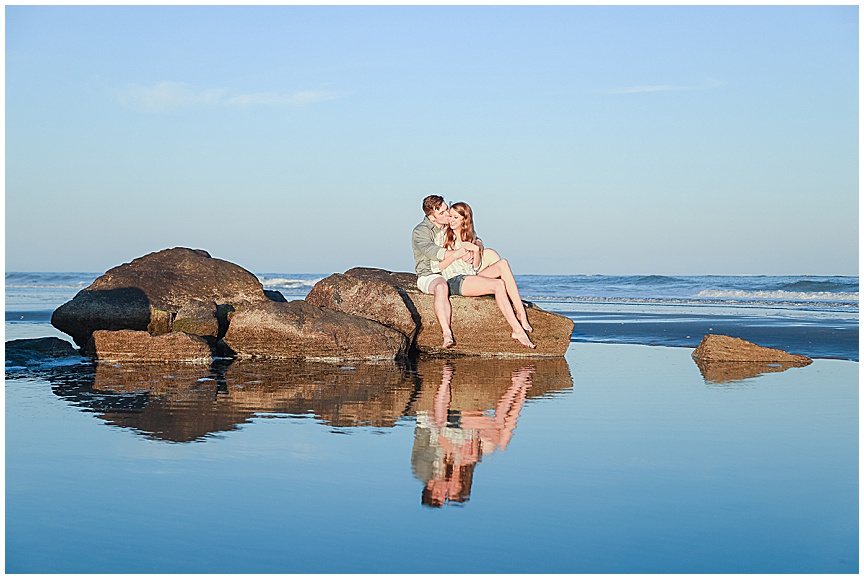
point(377, 300)
point(141, 346)
point(147, 293)
point(299, 330)
point(478, 326)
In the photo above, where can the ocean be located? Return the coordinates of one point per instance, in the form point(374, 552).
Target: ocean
point(620, 457)
point(816, 316)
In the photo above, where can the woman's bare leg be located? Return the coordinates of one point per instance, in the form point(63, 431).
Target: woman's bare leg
point(501, 269)
point(475, 285)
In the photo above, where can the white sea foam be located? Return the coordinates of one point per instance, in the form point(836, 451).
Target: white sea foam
point(287, 283)
point(779, 295)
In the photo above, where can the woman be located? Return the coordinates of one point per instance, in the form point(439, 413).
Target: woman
point(483, 274)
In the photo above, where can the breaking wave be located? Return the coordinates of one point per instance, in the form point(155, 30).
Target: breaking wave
point(288, 283)
point(783, 295)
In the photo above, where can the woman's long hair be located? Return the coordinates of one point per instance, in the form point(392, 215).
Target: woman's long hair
point(468, 234)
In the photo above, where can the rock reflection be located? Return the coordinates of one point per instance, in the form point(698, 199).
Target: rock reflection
point(362, 394)
point(723, 372)
point(186, 402)
point(182, 402)
point(465, 408)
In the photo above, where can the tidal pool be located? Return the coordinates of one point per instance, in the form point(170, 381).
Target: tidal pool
point(615, 459)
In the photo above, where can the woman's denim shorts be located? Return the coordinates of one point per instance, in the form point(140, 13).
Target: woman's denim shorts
point(455, 285)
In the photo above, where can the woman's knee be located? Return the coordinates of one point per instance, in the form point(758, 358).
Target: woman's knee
point(490, 256)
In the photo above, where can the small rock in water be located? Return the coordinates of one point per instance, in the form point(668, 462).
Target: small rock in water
point(727, 359)
point(38, 350)
point(719, 348)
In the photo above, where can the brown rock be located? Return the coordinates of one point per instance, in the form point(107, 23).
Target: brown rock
point(719, 348)
point(146, 293)
point(478, 326)
point(299, 330)
point(140, 346)
point(373, 299)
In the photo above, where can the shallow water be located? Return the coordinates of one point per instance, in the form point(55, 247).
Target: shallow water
point(615, 459)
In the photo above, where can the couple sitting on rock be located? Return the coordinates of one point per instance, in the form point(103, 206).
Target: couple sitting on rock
point(451, 259)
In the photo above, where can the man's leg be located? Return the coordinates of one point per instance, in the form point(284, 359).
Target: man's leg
point(441, 304)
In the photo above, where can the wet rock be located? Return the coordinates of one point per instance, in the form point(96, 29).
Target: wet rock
point(147, 293)
point(478, 326)
point(141, 346)
point(299, 330)
point(39, 350)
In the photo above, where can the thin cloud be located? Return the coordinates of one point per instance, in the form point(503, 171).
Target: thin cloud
point(166, 96)
point(707, 84)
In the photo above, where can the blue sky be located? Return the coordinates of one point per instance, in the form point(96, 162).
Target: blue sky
point(613, 140)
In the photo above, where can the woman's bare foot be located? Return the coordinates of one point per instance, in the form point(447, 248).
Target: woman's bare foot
point(448, 341)
point(525, 325)
point(522, 338)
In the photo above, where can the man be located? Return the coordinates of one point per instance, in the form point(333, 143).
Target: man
point(427, 240)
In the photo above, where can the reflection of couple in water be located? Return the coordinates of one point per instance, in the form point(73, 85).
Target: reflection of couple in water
point(449, 443)
point(451, 259)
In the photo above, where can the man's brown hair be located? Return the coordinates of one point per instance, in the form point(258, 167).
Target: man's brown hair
point(431, 203)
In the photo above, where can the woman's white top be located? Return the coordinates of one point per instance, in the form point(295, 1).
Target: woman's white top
point(458, 267)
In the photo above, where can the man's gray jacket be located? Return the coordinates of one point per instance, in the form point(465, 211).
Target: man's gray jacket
point(425, 249)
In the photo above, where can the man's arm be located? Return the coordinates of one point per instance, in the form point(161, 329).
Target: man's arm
point(425, 244)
